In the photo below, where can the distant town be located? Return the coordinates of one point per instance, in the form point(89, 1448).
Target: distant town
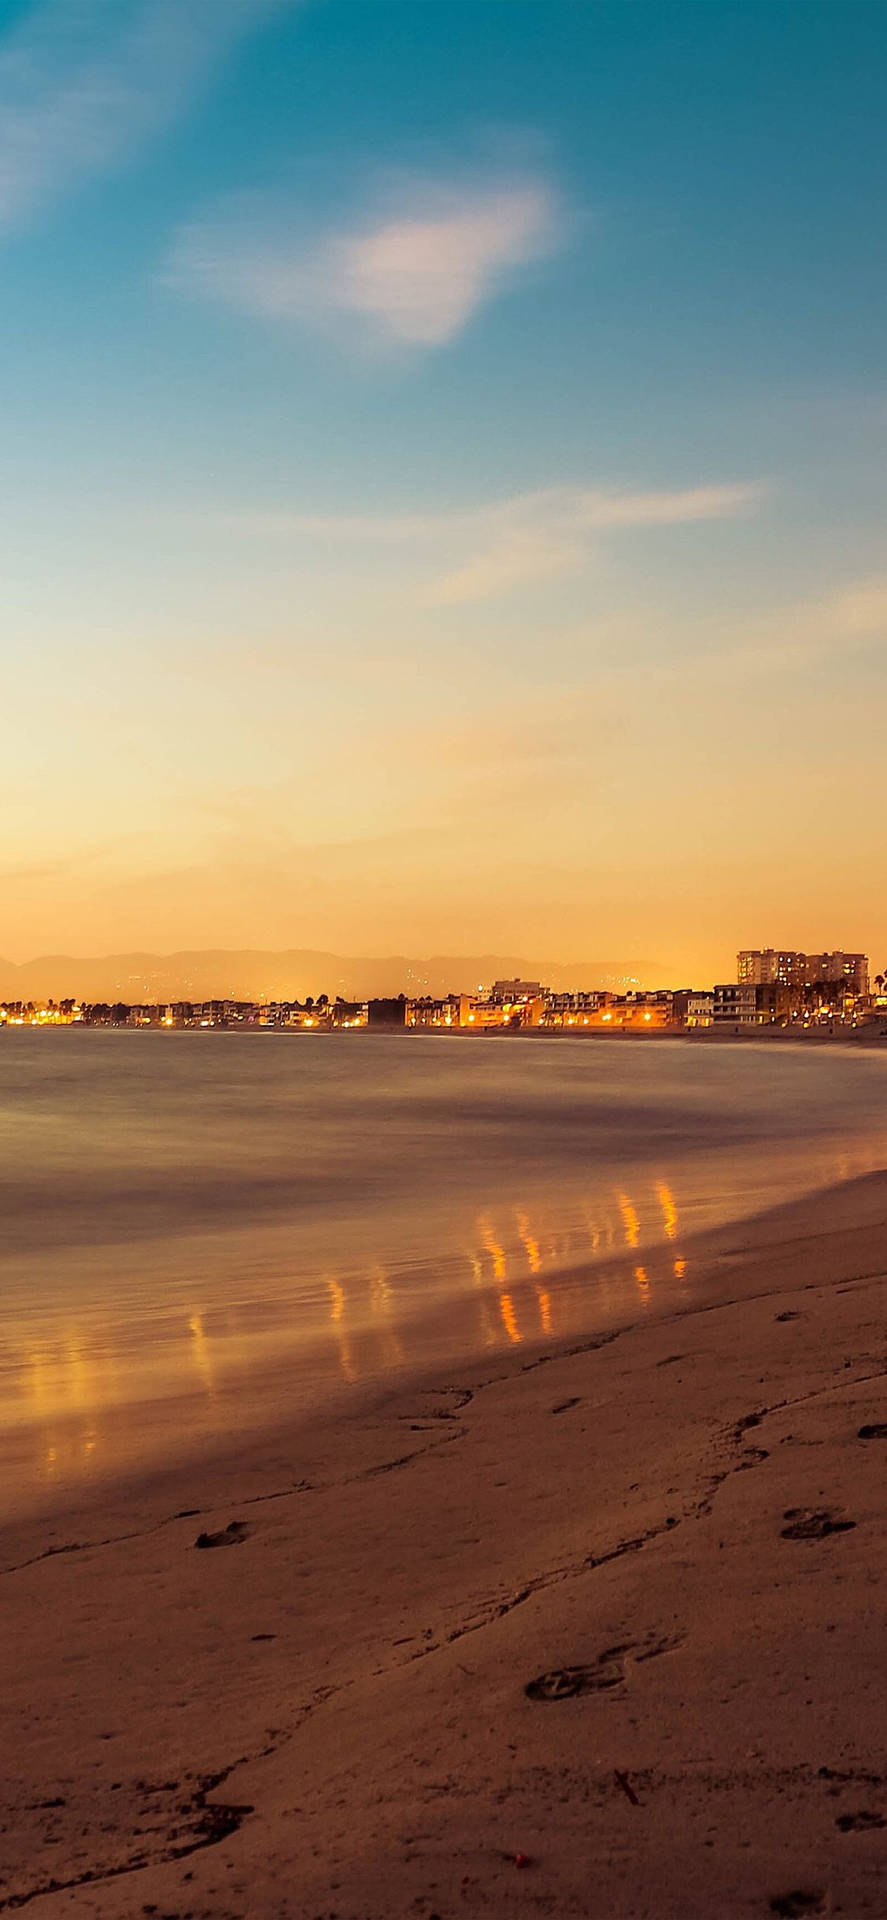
point(773, 988)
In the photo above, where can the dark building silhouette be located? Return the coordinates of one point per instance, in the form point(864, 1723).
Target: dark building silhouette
point(387, 1013)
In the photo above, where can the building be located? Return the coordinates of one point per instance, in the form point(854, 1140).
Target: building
point(648, 1010)
point(428, 1012)
point(779, 1005)
point(693, 1007)
point(775, 967)
point(515, 991)
point(850, 970)
point(387, 1013)
point(572, 1009)
point(770, 967)
point(348, 1013)
point(736, 1002)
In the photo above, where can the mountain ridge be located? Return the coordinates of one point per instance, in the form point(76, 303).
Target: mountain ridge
point(248, 973)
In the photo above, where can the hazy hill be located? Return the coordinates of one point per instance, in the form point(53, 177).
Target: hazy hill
point(248, 975)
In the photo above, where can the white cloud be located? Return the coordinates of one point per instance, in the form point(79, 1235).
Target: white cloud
point(83, 86)
point(412, 271)
point(495, 548)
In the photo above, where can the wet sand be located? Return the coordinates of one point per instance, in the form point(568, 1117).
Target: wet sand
point(590, 1630)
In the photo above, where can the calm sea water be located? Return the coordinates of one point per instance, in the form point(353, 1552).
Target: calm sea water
point(202, 1230)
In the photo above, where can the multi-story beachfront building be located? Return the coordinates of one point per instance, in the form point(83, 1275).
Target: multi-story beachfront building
point(778, 967)
point(770, 967)
point(516, 992)
point(850, 970)
point(693, 1006)
point(738, 1003)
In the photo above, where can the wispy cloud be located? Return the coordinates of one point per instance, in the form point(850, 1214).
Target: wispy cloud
point(83, 86)
point(542, 535)
point(861, 610)
point(497, 547)
point(410, 271)
point(847, 624)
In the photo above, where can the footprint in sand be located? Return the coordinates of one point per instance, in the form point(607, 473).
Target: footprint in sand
point(607, 1671)
point(792, 1906)
point(231, 1536)
point(564, 1682)
point(806, 1523)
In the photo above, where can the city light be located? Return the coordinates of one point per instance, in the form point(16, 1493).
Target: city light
point(824, 994)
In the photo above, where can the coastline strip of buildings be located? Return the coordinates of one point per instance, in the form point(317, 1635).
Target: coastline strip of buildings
point(773, 987)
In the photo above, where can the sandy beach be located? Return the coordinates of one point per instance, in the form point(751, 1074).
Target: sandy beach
point(597, 1630)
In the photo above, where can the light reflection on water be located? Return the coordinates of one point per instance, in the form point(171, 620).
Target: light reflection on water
point(563, 1200)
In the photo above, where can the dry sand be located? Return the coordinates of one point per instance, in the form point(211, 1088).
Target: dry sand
point(586, 1632)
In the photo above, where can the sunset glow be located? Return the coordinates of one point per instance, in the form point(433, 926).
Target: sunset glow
point(392, 572)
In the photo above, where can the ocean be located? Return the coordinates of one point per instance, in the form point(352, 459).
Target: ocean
point(205, 1232)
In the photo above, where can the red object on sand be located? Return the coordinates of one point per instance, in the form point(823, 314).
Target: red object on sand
point(522, 1860)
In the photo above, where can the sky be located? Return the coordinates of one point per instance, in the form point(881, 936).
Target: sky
point(442, 484)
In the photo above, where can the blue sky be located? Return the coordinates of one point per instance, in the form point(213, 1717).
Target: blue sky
point(442, 475)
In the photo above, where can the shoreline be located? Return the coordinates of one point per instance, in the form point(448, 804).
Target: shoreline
point(327, 1711)
point(189, 1286)
point(867, 1032)
point(714, 1254)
